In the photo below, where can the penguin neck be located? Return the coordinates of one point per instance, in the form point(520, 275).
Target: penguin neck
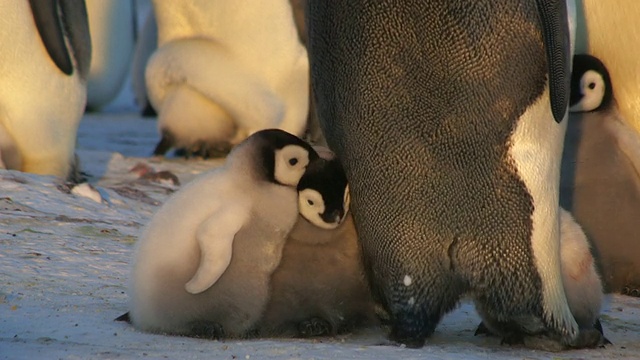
point(306, 233)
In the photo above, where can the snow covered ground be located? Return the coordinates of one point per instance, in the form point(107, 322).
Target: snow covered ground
point(64, 263)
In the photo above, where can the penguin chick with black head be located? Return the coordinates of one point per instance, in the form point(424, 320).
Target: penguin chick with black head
point(600, 167)
point(319, 288)
point(202, 265)
point(591, 88)
point(582, 285)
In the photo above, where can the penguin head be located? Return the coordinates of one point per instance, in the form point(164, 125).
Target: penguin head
point(590, 84)
point(323, 194)
point(275, 156)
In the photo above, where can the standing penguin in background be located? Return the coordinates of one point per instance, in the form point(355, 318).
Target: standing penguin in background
point(113, 32)
point(224, 70)
point(448, 119)
point(44, 67)
point(600, 178)
point(203, 264)
point(319, 287)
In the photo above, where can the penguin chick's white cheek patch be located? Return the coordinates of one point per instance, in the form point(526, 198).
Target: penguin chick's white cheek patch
point(311, 206)
point(291, 162)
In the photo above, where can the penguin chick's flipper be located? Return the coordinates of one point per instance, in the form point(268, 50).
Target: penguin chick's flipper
point(50, 17)
point(215, 238)
point(315, 327)
point(555, 33)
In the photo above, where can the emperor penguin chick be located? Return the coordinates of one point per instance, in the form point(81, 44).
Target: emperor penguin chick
point(582, 285)
point(319, 288)
point(202, 266)
point(591, 87)
point(600, 182)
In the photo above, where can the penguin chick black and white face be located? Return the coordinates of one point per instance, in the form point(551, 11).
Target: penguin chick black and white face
point(323, 194)
point(283, 157)
point(590, 84)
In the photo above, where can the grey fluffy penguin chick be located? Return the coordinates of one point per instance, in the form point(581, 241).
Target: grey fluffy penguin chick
point(320, 288)
point(582, 284)
point(202, 265)
point(600, 181)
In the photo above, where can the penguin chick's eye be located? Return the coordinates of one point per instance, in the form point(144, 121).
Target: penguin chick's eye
point(290, 164)
point(311, 207)
point(592, 85)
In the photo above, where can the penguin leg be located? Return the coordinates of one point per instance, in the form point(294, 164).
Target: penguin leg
point(207, 330)
point(167, 140)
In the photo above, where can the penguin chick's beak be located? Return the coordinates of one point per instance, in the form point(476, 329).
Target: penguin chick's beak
point(333, 217)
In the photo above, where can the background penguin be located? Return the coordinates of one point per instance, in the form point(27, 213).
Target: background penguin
point(437, 128)
point(600, 181)
point(186, 279)
point(45, 61)
point(320, 288)
point(224, 70)
point(590, 84)
point(581, 281)
point(612, 34)
point(113, 36)
point(145, 46)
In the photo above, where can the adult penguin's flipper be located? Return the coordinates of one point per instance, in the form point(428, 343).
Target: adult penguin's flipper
point(56, 18)
point(555, 34)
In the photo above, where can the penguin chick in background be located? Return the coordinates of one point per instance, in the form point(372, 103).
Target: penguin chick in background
point(600, 181)
point(320, 288)
point(591, 88)
point(582, 283)
point(202, 266)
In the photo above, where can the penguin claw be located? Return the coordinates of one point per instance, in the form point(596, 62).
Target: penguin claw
point(207, 330)
point(630, 290)
point(314, 327)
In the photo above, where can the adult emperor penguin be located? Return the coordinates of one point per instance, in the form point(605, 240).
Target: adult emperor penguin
point(44, 65)
point(582, 285)
point(447, 116)
point(612, 34)
point(600, 181)
point(319, 287)
point(226, 69)
point(145, 46)
point(113, 32)
point(203, 263)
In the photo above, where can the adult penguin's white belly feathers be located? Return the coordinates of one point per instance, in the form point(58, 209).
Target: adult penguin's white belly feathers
point(42, 98)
